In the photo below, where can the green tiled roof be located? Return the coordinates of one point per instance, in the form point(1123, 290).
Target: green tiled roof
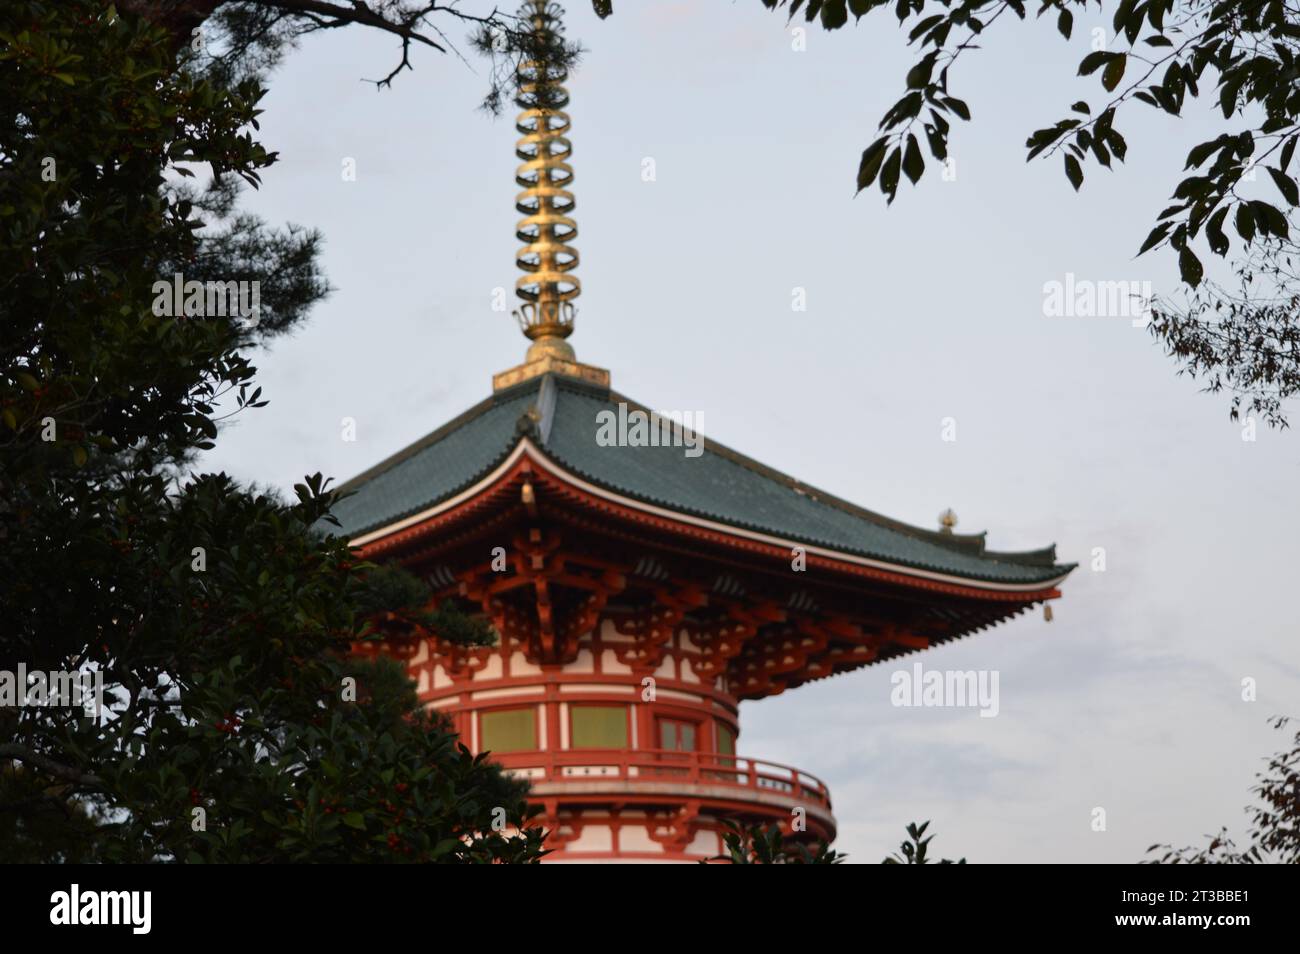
point(719, 485)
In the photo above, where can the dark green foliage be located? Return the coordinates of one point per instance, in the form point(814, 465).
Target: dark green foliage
point(456, 627)
point(913, 851)
point(1243, 58)
point(1275, 820)
point(220, 620)
point(39, 823)
point(400, 601)
point(392, 589)
point(1243, 340)
point(511, 43)
point(242, 39)
point(757, 844)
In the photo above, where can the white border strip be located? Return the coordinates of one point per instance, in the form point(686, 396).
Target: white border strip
point(526, 446)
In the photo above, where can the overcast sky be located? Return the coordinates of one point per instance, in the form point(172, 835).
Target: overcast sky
point(1070, 430)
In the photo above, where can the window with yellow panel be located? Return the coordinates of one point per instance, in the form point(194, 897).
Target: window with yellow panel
point(598, 727)
point(726, 739)
point(508, 730)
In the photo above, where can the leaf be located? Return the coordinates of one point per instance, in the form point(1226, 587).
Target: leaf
point(445, 846)
point(958, 107)
point(834, 14)
point(1285, 184)
point(1245, 222)
point(1081, 107)
point(1228, 94)
point(1287, 151)
point(938, 147)
point(1268, 219)
point(1088, 65)
point(1114, 72)
point(1189, 267)
point(355, 820)
point(1245, 144)
point(1073, 172)
point(921, 28)
point(1065, 22)
point(913, 164)
point(1101, 152)
point(1214, 232)
point(872, 157)
point(919, 75)
point(889, 174)
point(1117, 144)
point(1155, 238)
point(1199, 153)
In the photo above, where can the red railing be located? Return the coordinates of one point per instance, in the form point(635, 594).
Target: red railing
point(693, 768)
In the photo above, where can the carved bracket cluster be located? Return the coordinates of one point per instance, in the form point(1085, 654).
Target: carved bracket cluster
point(675, 830)
point(653, 626)
point(724, 638)
point(561, 832)
point(745, 667)
point(564, 604)
point(551, 592)
point(793, 648)
point(460, 662)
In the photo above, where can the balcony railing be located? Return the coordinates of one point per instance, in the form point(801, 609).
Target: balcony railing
point(654, 765)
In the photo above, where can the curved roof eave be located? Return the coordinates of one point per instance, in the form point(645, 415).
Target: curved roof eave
point(526, 447)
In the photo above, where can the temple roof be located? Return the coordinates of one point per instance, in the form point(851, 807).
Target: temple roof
point(559, 415)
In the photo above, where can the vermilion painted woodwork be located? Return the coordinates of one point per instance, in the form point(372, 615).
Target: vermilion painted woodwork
point(604, 604)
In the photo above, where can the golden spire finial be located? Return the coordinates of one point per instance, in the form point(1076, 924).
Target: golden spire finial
point(548, 285)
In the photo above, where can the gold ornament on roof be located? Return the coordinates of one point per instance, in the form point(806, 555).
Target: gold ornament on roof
point(547, 229)
point(548, 285)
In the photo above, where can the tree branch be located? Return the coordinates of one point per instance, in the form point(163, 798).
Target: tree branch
point(10, 750)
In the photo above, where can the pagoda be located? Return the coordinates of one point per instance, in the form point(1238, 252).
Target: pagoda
point(643, 580)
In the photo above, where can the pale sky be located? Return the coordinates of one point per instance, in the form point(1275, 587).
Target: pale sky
point(1069, 430)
